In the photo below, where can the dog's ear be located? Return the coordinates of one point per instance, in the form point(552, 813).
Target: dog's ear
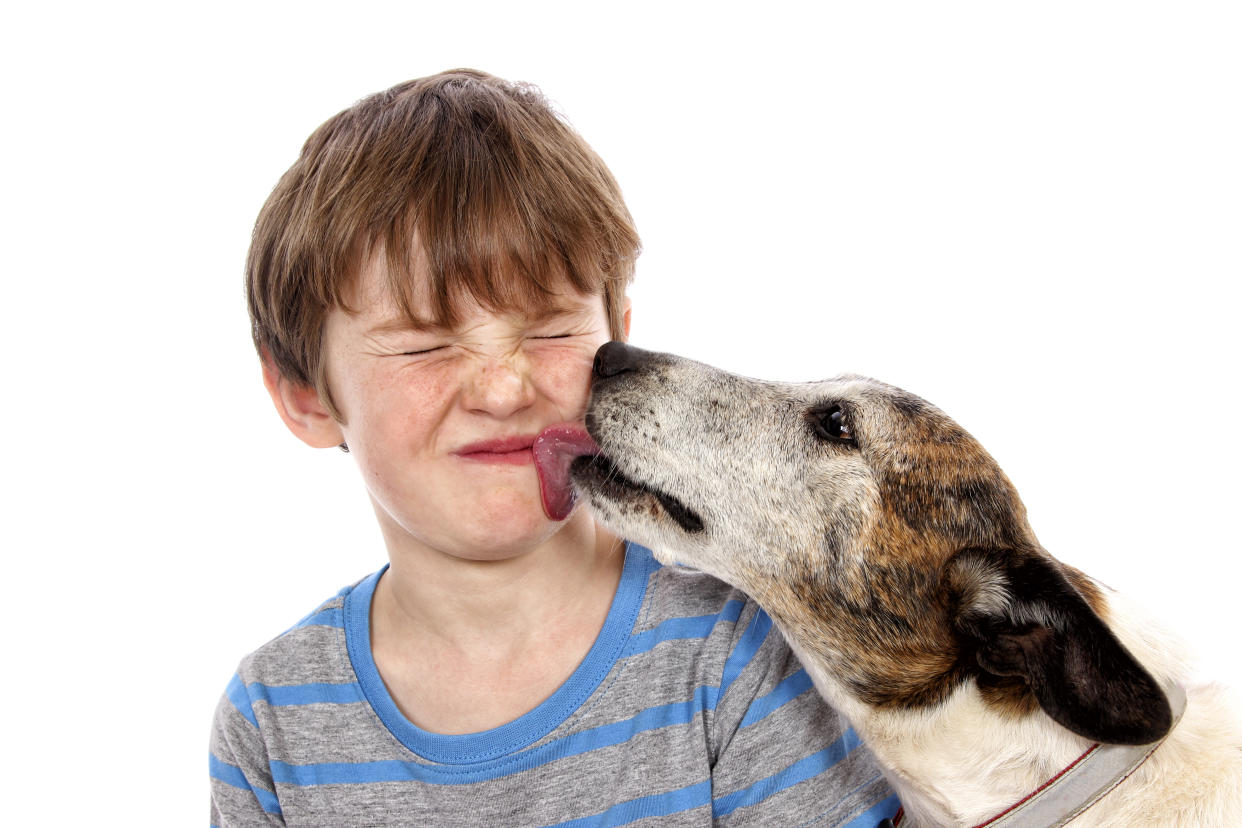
point(1018, 615)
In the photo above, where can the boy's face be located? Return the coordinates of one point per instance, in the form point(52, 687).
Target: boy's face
point(441, 421)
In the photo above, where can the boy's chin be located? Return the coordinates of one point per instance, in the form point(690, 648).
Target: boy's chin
point(517, 524)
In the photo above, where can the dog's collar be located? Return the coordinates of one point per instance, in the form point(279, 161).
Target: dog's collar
point(1084, 782)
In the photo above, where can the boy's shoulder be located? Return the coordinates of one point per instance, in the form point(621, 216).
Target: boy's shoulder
point(692, 621)
point(678, 591)
point(312, 651)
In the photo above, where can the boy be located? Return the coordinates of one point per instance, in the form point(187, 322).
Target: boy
point(428, 285)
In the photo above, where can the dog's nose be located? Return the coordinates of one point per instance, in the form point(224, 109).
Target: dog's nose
point(614, 358)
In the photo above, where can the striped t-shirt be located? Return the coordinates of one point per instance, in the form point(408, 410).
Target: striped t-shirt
point(689, 710)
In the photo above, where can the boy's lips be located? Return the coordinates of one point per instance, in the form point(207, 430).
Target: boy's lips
point(506, 450)
point(554, 449)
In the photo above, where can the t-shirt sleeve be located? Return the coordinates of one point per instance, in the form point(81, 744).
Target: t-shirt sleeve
point(781, 755)
point(242, 793)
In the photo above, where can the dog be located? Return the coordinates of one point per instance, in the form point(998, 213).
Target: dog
point(896, 558)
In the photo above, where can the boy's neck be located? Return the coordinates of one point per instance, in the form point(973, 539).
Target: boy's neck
point(464, 646)
point(429, 593)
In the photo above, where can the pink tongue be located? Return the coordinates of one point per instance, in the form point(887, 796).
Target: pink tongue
point(554, 449)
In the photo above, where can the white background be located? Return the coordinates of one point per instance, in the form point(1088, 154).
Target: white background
point(1027, 213)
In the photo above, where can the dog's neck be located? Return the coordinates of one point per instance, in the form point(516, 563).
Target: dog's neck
point(959, 762)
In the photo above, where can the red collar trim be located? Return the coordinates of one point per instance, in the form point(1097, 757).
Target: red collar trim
point(1112, 766)
point(1042, 787)
point(900, 815)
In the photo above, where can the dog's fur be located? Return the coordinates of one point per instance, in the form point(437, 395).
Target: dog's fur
point(896, 558)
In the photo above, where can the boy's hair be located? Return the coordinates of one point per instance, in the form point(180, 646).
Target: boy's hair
point(475, 179)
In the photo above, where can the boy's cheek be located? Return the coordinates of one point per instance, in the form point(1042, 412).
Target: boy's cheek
point(388, 388)
point(570, 372)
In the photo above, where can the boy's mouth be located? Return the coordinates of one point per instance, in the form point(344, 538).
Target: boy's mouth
point(509, 450)
point(555, 449)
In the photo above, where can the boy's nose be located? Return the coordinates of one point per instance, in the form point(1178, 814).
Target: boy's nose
point(500, 387)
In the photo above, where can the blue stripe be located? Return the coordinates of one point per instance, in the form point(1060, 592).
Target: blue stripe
point(884, 809)
point(243, 696)
point(745, 649)
point(333, 617)
point(345, 773)
point(236, 692)
point(850, 740)
point(672, 802)
point(791, 688)
point(233, 776)
point(290, 695)
point(699, 626)
point(228, 774)
point(799, 771)
point(653, 718)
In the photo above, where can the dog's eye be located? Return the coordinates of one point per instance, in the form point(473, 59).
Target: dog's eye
point(832, 424)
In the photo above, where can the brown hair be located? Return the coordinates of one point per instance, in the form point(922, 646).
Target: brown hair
point(478, 179)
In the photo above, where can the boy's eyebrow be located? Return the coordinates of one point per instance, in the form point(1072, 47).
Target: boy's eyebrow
point(553, 312)
point(403, 324)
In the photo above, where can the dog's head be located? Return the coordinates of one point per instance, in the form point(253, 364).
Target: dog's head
point(874, 529)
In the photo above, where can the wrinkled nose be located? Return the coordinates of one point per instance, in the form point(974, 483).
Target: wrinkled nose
point(615, 358)
point(500, 387)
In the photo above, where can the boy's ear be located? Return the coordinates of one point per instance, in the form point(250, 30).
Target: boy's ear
point(301, 409)
point(1020, 616)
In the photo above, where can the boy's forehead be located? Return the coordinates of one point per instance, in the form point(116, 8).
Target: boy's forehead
point(373, 296)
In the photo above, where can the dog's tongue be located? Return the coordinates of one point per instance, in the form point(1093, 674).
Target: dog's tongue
point(554, 449)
